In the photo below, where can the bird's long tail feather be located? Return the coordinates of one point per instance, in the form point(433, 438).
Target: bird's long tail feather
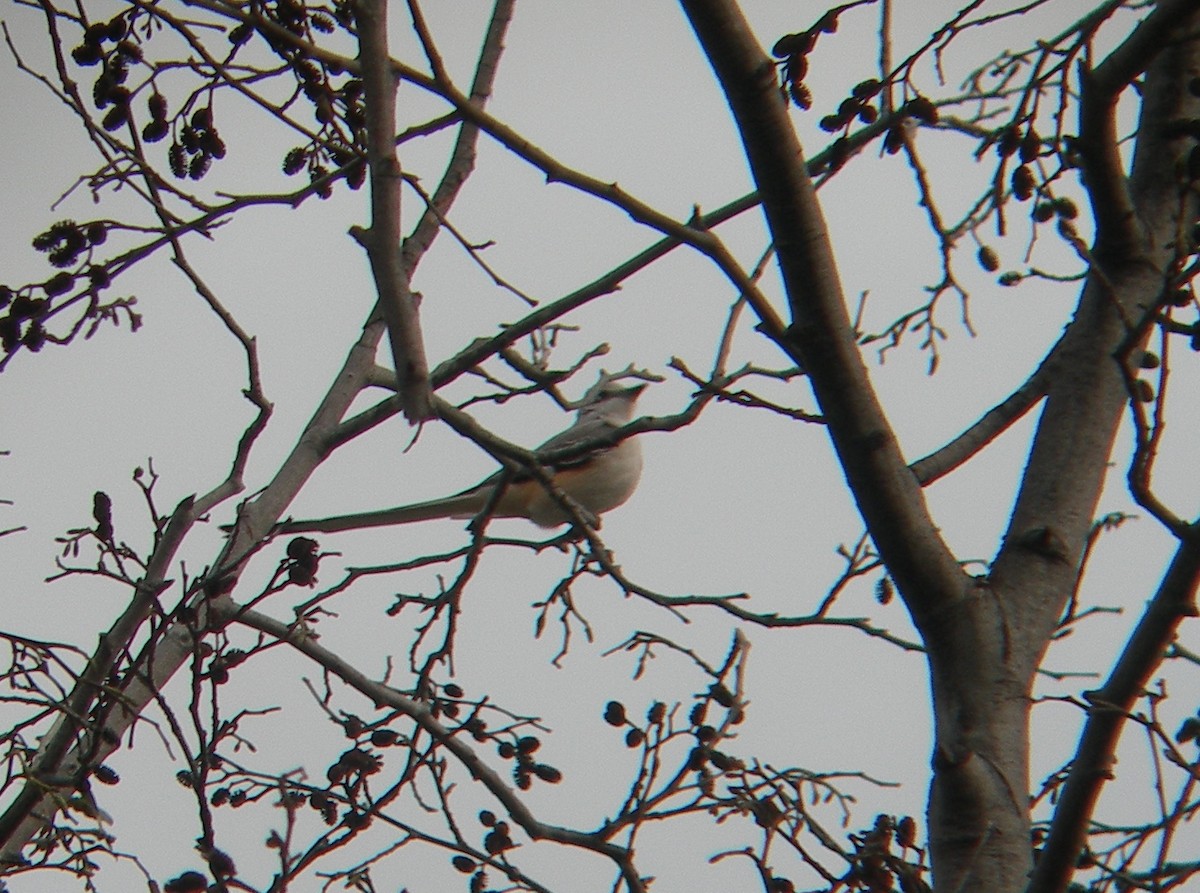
point(461, 505)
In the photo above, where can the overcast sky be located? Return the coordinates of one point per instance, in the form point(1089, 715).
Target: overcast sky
point(742, 501)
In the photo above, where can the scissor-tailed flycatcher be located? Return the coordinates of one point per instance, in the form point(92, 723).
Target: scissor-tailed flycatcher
point(599, 479)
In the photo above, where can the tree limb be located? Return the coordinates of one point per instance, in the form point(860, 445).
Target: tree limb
point(146, 673)
point(991, 425)
point(421, 714)
point(1110, 707)
point(382, 240)
point(821, 336)
point(1118, 225)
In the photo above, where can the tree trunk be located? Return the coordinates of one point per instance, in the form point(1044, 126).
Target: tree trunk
point(984, 651)
point(985, 637)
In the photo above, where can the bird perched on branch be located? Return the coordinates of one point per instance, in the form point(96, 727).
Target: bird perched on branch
point(600, 478)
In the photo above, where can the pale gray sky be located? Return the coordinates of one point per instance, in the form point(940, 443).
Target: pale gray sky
point(741, 501)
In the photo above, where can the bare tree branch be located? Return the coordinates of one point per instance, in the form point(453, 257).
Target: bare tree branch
point(1109, 707)
point(820, 334)
point(382, 240)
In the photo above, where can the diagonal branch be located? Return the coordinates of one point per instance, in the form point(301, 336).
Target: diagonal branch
point(462, 157)
point(821, 335)
point(425, 717)
point(382, 240)
point(65, 749)
point(1135, 255)
point(1110, 707)
point(991, 425)
point(1117, 220)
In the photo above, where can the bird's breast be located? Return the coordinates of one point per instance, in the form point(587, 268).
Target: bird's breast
point(602, 483)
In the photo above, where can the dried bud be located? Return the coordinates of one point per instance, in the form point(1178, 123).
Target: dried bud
point(96, 33)
point(1065, 208)
point(156, 105)
point(87, 54)
point(796, 68)
point(866, 89)
point(548, 774)
point(301, 547)
point(102, 513)
point(115, 29)
point(614, 713)
point(839, 153)
point(724, 762)
point(1009, 142)
point(906, 832)
point(831, 123)
point(294, 161)
point(497, 841)
point(766, 813)
point(59, 284)
point(199, 165)
point(240, 34)
point(115, 118)
point(990, 261)
point(35, 337)
point(1189, 731)
point(1031, 145)
point(131, 51)
point(1022, 183)
point(721, 695)
point(177, 159)
point(790, 45)
point(800, 94)
point(356, 174)
point(893, 141)
point(188, 882)
point(212, 143)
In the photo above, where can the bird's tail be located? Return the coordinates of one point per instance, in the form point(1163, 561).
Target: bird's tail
point(462, 505)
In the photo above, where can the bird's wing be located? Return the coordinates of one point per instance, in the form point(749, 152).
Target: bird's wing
point(586, 428)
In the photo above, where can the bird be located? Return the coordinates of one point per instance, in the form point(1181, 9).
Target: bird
point(599, 479)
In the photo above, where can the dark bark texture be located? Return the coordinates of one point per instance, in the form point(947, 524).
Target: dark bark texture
point(985, 637)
